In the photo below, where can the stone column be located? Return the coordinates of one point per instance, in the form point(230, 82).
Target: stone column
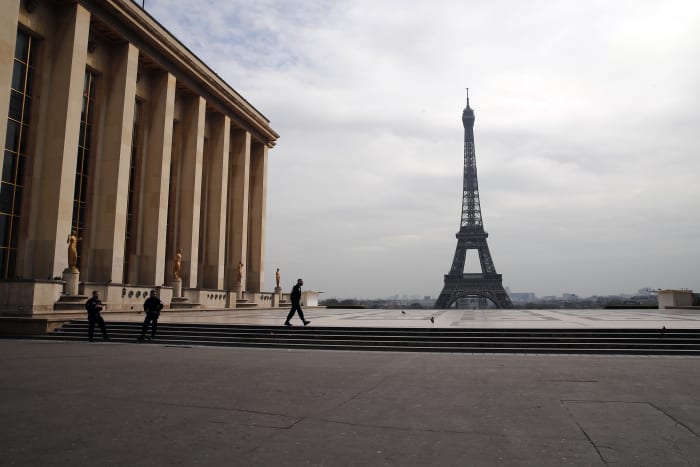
point(156, 179)
point(112, 169)
point(217, 166)
point(8, 38)
point(258, 198)
point(53, 178)
point(190, 188)
point(237, 216)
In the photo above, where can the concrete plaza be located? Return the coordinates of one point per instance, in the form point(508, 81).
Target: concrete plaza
point(74, 404)
point(408, 318)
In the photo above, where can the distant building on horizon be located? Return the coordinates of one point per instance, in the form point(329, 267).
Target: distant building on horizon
point(522, 297)
point(570, 297)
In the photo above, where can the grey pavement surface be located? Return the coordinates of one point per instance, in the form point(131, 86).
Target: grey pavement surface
point(73, 404)
point(322, 317)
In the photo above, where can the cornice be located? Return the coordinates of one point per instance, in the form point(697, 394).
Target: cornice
point(187, 65)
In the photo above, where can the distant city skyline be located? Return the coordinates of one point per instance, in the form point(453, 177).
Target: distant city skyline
point(586, 123)
point(396, 296)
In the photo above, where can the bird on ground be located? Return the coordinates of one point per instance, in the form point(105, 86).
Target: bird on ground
point(432, 319)
point(403, 312)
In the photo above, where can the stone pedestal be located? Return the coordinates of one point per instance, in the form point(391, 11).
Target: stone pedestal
point(238, 290)
point(177, 288)
point(277, 297)
point(71, 278)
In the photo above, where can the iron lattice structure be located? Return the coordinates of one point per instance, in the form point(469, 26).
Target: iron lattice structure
point(471, 236)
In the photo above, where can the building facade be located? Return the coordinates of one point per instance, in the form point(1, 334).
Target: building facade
point(122, 149)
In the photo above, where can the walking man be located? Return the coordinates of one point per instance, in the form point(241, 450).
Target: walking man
point(152, 307)
point(94, 307)
point(296, 304)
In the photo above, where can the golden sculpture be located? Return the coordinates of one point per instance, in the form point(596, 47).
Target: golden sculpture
point(177, 266)
point(277, 277)
point(73, 251)
point(240, 273)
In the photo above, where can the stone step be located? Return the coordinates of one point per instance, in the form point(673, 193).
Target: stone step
point(491, 332)
point(600, 341)
point(183, 304)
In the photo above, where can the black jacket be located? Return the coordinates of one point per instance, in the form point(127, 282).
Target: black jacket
point(93, 305)
point(296, 293)
point(152, 305)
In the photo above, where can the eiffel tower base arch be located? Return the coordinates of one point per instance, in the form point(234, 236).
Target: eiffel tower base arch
point(473, 285)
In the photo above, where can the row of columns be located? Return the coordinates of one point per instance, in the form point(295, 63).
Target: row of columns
point(229, 207)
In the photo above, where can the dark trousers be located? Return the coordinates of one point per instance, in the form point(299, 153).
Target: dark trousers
point(150, 317)
point(96, 318)
point(295, 307)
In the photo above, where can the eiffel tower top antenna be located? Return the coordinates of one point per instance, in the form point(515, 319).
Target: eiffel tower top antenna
point(467, 97)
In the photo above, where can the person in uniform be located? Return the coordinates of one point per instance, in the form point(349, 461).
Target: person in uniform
point(152, 307)
point(94, 307)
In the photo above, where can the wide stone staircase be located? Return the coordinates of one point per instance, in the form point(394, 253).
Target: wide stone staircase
point(558, 341)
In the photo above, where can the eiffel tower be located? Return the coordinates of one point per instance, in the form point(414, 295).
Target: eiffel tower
point(471, 236)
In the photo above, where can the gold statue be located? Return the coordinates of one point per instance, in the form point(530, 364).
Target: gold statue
point(73, 251)
point(277, 277)
point(240, 273)
point(177, 265)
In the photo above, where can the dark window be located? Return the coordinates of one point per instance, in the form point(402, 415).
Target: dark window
point(6, 193)
point(22, 46)
point(8, 167)
point(16, 104)
point(15, 152)
point(4, 229)
point(12, 137)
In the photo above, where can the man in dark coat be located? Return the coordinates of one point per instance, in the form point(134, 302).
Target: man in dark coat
point(152, 307)
point(94, 307)
point(296, 304)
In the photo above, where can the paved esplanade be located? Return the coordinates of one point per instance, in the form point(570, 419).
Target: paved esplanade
point(320, 317)
point(71, 404)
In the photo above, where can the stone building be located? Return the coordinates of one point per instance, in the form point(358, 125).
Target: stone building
point(119, 133)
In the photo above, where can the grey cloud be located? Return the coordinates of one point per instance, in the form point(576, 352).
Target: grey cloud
point(585, 134)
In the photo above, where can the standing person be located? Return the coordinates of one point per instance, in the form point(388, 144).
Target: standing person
point(296, 303)
point(152, 307)
point(94, 307)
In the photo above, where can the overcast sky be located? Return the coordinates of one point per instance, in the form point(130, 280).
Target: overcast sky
point(587, 137)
